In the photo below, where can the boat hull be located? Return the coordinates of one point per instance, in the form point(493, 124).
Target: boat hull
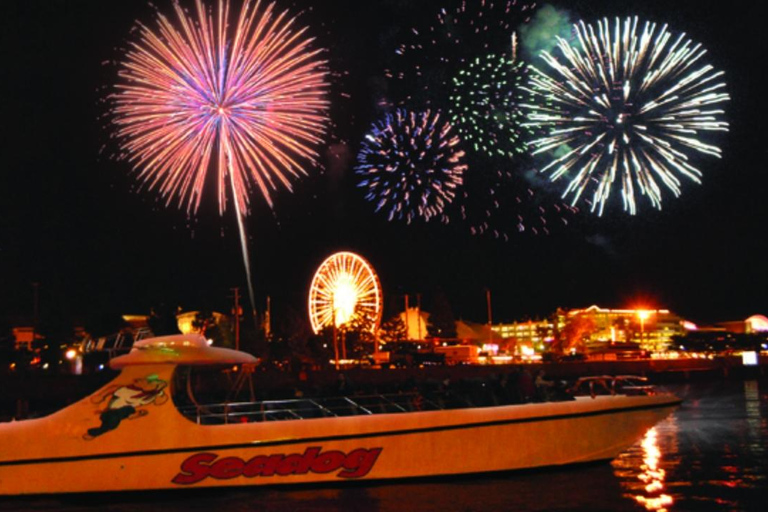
point(163, 450)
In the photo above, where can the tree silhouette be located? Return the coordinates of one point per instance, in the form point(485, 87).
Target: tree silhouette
point(393, 330)
point(574, 335)
point(215, 327)
point(442, 323)
point(162, 320)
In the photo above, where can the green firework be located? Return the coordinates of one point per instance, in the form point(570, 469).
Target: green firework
point(484, 105)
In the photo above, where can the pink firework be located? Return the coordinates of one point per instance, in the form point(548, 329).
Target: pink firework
point(245, 100)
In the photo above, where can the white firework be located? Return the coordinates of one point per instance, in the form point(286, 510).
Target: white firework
point(624, 104)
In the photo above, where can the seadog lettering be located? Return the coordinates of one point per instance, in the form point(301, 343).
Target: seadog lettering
point(200, 466)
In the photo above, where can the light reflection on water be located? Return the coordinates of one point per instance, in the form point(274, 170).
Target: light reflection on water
point(709, 455)
point(643, 461)
point(652, 475)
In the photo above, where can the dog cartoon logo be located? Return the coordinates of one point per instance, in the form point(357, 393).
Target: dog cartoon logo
point(127, 402)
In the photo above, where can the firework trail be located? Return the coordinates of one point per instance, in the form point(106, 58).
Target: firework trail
point(241, 97)
point(624, 105)
point(410, 166)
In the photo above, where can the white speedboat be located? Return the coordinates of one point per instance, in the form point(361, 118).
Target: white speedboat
point(154, 428)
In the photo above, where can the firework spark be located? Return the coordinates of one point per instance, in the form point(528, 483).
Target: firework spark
point(625, 104)
point(498, 194)
point(428, 58)
point(504, 201)
point(411, 166)
point(246, 101)
point(484, 105)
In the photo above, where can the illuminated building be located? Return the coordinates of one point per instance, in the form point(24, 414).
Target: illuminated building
point(415, 322)
point(756, 323)
point(187, 321)
point(524, 338)
point(753, 325)
point(652, 329)
point(24, 336)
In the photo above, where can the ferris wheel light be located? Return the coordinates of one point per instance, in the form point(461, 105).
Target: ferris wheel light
point(345, 285)
point(344, 298)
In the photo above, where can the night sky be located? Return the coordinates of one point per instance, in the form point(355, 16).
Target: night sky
point(73, 219)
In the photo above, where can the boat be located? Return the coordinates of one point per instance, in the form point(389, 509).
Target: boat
point(154, 428)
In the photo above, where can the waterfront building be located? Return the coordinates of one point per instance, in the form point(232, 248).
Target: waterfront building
point(651, 329)
point(524, 339)
point(416, 321)
point(753, 325)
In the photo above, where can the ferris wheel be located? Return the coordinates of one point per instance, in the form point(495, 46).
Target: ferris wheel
point(345, 286)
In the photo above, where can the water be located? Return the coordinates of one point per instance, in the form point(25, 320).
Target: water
point(709, 455)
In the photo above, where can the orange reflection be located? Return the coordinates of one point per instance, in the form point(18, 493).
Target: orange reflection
point(653, 476)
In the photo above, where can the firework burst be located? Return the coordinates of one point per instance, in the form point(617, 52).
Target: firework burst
point(438, 66)
point(428, 59)
point(624, 105)
point(484, 105)
point(245, 100)
point(411, 166)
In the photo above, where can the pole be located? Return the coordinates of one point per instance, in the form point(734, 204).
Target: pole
point(335, 332)
point(407, 327)
point(236, 311)
point(35, 311)
point(418, 316)
point(268, 319)
point(490, 318)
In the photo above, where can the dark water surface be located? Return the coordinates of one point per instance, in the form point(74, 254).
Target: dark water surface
point(709, 455)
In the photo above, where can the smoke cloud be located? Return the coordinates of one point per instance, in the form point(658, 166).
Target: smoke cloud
point(541, 33)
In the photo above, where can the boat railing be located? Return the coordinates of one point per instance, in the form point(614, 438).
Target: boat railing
point(612, 385)
point(308, 408)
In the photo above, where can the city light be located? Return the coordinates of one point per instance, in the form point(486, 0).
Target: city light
point(344, 298)
point(749, 358)
point(643, 314)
